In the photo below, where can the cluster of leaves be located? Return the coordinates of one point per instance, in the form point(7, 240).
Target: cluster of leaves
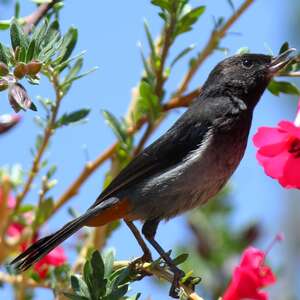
point(100, 281)
point(214, 243)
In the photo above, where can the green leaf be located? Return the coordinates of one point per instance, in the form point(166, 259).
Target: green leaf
point(30, 51)
point(163, 4)
point(17, 9)
point(79, 286)
point(277, 87)
point(182, 54)
point(26, 208)
point(68, 44)
point(74, 70)
point(115, 125)
point(285, 46)
point(73, 117)
point(186, 22)
point(150, 41)
point(108, 260)
point(148, 102)
point(3, 54)
point(17, 35)
point(67, 83)
point(5, 24)
point(180, 259)
point(45, 209)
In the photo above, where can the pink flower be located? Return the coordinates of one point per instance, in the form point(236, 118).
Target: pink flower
point(55, 258)
point(249, 277)
point(279, 151)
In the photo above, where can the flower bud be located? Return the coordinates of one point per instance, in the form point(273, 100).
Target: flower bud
point(3, 85)
point(20, 70)
point(3, 69)
point(19, 99)
point(8, 121)
point(34, 67)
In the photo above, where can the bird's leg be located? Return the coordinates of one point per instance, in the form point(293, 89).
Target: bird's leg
point(149, 231)
point(147, 257)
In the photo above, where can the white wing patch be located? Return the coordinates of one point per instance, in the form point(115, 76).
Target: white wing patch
point(196, 153)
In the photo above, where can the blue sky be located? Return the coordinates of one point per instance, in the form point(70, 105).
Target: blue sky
point(110, 31)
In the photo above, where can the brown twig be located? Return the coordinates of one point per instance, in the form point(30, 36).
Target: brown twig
point(34, 18)
point(210, 46)
point(21, 280)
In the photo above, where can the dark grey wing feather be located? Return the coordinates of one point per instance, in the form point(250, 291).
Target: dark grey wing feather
point(184, 136)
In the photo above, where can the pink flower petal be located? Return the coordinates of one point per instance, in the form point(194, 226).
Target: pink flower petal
point(274, 149)
point(290, 128)
point(274, 166)
point(268, 135)
point(291, 176)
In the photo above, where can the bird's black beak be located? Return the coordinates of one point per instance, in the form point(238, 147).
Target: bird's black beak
point(280, 61)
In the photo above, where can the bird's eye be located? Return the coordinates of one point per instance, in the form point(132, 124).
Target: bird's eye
point(247, 63)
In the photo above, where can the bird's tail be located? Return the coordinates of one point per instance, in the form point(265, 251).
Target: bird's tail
point(43, 246)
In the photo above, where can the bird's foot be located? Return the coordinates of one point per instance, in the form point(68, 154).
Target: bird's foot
point(137, 265)
point(175, 287)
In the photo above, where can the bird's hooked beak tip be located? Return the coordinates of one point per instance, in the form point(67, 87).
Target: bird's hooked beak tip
point(281, 61)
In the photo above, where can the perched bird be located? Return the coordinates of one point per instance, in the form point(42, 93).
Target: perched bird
point(186, 166)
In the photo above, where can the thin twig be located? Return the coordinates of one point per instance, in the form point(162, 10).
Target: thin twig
point(34, 18)
point(210, 46)
point(48, 132)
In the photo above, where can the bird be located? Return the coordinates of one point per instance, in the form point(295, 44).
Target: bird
point(186, 166)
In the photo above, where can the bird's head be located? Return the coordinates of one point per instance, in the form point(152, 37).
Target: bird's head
point(246, 76)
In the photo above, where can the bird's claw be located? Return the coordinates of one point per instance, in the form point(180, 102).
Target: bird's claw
point(175, 287)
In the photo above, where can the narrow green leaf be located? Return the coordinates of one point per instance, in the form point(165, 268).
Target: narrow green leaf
point(68, 44)
point(150, 41)
point(186, 22)
point(108, 260)
point(73, 117)
point(3, 54)
point(115, 125)
point(182, 54)
point(17, 35)
point(30, 51)
point(17, 9)
point(277, 87)
point(74, 70)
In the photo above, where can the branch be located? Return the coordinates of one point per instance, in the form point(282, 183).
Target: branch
point(34, 18)
point(23, 281)
point(212, 43)
point(159, 272)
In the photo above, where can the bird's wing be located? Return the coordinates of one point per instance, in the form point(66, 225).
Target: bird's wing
point(171, 148)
